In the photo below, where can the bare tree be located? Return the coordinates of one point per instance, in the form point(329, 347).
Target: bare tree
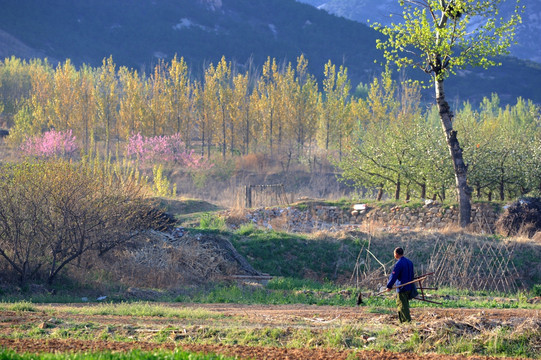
point(53, 213)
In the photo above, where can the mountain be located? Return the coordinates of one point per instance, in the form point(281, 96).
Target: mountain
point(139, 34)
point(528, 46)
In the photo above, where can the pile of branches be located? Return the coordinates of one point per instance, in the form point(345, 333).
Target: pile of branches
point(521, 217)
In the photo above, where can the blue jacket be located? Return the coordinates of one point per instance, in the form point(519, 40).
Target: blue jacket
point(402, 273)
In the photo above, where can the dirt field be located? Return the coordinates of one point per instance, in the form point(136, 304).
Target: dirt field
point(140, 330)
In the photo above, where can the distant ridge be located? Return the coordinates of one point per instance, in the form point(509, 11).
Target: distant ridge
point(528, 46)
point(11, 46)
point(142, 33)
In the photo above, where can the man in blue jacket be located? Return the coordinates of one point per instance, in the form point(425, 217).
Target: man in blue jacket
point(402, 273)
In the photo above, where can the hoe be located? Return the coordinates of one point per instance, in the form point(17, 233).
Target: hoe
point(419, 285)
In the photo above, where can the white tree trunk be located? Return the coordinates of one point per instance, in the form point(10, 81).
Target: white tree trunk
point(461, 169)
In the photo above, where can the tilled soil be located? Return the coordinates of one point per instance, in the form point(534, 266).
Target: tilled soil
point(250, 316)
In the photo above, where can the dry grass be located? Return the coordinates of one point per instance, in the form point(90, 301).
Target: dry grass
point(157, 261)
point(8, 153)
point(165, 263)
point(254, 162)
point(236, 217)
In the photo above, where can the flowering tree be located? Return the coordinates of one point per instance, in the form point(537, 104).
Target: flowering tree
point(51, 144)
point(165, 149)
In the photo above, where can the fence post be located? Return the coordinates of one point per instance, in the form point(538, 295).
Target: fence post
point(248, 200)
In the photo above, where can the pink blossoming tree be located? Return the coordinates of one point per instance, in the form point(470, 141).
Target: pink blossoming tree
point(51, 144)
point(161, 149)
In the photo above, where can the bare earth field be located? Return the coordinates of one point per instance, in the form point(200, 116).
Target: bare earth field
point(138, 332)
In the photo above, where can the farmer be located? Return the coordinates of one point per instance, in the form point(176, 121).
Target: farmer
point(402, 273)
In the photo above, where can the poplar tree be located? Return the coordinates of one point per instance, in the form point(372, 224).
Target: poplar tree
point(107, 100)
point(335, 108)
point(440, 37)
point(268, 103)
point(241, 112)
point(224, 95)
point(180, 99)
point(303, 123)
point(133, 108)
point(86, 106)
point(158, 101)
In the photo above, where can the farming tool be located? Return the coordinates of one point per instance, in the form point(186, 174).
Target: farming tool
point(418, 281)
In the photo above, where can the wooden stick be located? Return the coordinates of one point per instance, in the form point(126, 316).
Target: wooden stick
point(399, 286)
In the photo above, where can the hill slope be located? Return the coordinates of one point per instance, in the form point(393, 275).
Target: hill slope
point(140, 34)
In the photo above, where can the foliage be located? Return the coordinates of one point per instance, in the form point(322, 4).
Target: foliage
point(210, 221)
point(409, 157)
point(440, 37)
point(161, 185)
point(382, 141)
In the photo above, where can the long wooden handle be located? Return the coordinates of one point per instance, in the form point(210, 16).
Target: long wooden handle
point(410, 282)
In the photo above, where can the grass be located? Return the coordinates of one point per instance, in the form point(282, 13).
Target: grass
point(18, 306)
point(296, 256)
point(268, 296)
point(284, 291)
point(189, 211)
point(131, 355)
point(146, 309)
point(208, 221)
point(193, 327)
point(41, 298)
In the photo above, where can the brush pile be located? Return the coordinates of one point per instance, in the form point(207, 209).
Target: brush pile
point(523, 217)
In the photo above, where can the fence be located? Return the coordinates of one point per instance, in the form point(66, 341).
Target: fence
point(265, 195)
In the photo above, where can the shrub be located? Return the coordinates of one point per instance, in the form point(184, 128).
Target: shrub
point(165, 149)
point(536, 290)
point(52, 213)
point(246, 229)
point(211, 222)
point(162, 185)
point(51, 144)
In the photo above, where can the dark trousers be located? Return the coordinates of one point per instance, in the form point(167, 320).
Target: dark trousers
point(403, 304)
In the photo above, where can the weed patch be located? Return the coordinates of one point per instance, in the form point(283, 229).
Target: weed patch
point(145, 309)
point(132, 355)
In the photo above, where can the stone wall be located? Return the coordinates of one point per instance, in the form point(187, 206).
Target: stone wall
point(429, 216)
point(315, 216)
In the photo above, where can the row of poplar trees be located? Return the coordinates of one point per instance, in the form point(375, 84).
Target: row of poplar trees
point(385, 139)
point(278, 108)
